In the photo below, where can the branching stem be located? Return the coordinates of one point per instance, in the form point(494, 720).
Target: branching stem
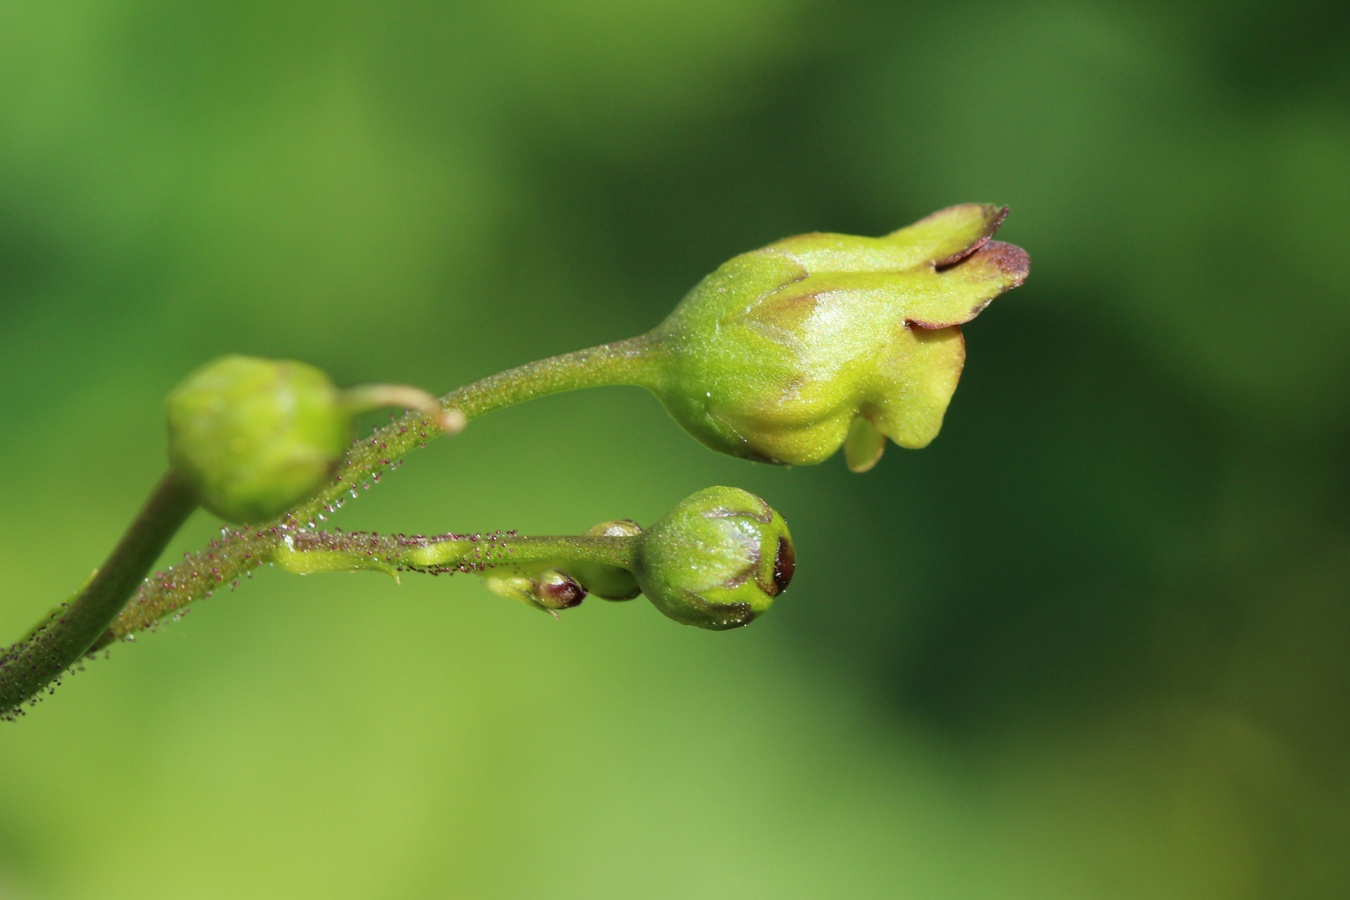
point(101, 612)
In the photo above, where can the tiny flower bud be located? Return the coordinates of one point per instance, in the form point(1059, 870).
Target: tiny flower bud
point(717, 560)
point(780, 353)
point(609, 582)
point(542, 587)
point(255, 436)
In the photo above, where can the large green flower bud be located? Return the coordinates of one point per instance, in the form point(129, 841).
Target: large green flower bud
point(717, 560)
point(783, 352)
point(255, 436)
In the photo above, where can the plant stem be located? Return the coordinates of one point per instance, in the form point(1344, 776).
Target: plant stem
point(309, 552)
point(72, 628)
point(240, 550)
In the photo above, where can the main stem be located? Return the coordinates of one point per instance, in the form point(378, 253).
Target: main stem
point(72, 628)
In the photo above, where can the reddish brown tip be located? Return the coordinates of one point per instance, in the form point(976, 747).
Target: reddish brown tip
point(784, 565)
point(563, 594)
point(1009, 259)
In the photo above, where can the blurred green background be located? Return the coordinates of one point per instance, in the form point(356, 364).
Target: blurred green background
point(1090, 643)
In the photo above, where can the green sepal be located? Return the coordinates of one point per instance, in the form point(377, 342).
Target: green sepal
point(864, 445)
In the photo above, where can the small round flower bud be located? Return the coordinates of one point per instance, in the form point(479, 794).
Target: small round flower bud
point(717, 560)
point(609, 582)
point(256, 436)
point(777, 354)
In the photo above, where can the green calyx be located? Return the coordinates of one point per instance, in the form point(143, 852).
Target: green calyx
point(785, 352)
point(255, 436)
point(717, 560)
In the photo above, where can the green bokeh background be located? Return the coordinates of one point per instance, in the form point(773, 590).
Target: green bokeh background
point(1090, 643)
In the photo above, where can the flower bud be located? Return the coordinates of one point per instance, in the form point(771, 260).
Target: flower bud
point(717, 560)
point(778, 354)
point(541, 586)
point(256, 436)
point(609, 582)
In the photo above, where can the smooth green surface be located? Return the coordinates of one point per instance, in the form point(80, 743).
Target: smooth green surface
point(1088, 643)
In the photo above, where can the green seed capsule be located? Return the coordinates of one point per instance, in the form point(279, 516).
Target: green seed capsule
point(717, 560)
point(256, 436)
